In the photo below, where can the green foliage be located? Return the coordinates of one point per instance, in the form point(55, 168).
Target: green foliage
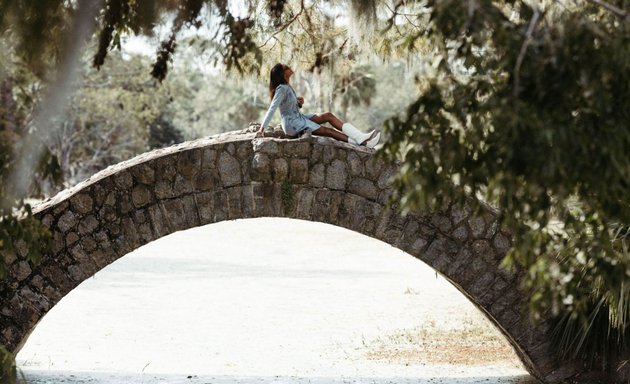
point(115, 114)
point(8, 372)
point(287, 194)
point(24, 235)
point(527, 108)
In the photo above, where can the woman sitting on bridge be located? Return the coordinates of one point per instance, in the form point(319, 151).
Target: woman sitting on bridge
point(294, 122)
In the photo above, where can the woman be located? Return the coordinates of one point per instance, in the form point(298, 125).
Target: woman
point(293, 122)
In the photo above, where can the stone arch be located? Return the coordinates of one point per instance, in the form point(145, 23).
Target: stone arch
point(236, 176)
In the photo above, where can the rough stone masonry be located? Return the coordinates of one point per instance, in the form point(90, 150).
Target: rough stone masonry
point(235, 176)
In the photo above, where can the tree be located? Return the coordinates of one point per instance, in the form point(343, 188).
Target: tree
point(522, 104)
point(525, 105)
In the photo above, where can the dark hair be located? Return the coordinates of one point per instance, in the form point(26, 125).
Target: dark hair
point(276, 78)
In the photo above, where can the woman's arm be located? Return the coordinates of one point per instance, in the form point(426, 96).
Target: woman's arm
point(277, 99)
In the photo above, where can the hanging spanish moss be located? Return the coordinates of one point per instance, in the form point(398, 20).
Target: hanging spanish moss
point(363, 10)
point(362, 19)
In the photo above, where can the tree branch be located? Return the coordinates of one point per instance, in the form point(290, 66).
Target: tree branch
point(521, 54)
point(622, 14)
point(285, 25)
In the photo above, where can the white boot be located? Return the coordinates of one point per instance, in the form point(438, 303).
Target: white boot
point(373, 141)
point(352, 132)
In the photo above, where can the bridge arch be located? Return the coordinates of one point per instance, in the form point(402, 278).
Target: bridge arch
point(237, 176)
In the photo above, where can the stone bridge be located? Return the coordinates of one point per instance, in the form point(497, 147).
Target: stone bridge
point(236, 176)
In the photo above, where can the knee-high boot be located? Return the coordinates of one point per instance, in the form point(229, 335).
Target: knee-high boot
point(359, 138)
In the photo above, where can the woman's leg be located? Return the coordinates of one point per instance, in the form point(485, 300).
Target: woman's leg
point(328, 117)
point(329, 132)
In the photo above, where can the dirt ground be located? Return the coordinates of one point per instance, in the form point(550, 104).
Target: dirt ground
point(267, 301)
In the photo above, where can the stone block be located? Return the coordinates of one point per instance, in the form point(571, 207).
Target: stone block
point(71, 238)
point(107, 214)
point(477, 226)
point(88, 243)
point(131, 234)
point(206, 180)
point(143, 174)
point(208, 158)
point(320, 205)
point(81, 203)
point(373, 168)
point(267, 146)
point(441, 263)
point(87, 225)
point(123, 180)
point(501, 243)
point(441, 222)
point(205, 207)
point(235, 201)
point(120, 245)
point(336, 175)
point(329, 154)
point(188, 162)
point(164, 190)
point(247, 203)
point(317, 175)
point(304, 203)
point(454, 269)
point(58, 242)
point(179, 212)
point(459, 213)
point(417, 246)
point(220, 208)
point(363, 187)
point(298, 171)
point(158, 220)
point(78, 253)
point(140, 216)
point(100, 259)
point(481, 248)
point(22, 271)
point(141, 196)
point(280, 169)
point(335, 207)
point(123, 204)
point(67, 222)
point(110, 199)
point(37, 282)
point(461, 233)
point(244, 151)
point(316, 153)
point(76, 273)
point(297, 149)
point(145, 233)
point(182, 186)
point(60, 208)
point(102, 239)
point(167, 168)
point(355, 164)
point(481, 284)
point(261, 167)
